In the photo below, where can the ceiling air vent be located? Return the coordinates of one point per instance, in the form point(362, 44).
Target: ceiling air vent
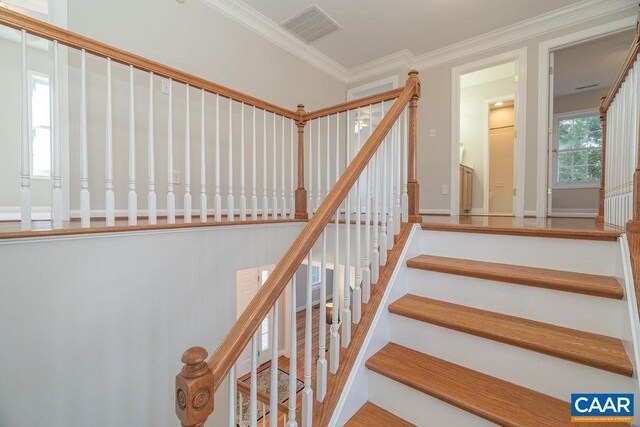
point(587, 86)
point(311, 24)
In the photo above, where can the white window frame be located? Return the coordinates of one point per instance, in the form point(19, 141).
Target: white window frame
point(30, 77)
point(556, 121)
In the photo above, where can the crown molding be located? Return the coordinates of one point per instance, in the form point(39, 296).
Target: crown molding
point(567, 16)
point(574, 14)
point(251, 18)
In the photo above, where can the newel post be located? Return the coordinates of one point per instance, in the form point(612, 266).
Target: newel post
point(194, 389)
point(413, 188)
point(603, 163)
point(301, 192)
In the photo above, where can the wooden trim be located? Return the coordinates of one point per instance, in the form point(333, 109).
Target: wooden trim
point(352, 105)
point(634, 50)
point(301, 192)
point(242, 331)
point(47, 31)
point(413, 188)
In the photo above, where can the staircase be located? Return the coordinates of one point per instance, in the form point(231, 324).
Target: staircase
point(477, 333)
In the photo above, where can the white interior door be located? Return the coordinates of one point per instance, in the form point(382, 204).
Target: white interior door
point(248, 283)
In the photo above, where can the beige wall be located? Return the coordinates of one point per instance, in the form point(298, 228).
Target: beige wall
point(435, 112)
point(474, 130)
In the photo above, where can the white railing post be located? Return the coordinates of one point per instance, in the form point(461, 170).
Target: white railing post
point(357, 291)
point(232, 398)
point(292, 356)
point(85, 202)
point(265, 199)
point(334, 343)
point(230, 204)
point(254, 191)
point(218, 196)
point(56, 151)
point(292, 190)
point(151, 197)
point(321, 368)
point(203, 160)
point(274, 172)
point(404, 165)
point(319, 197)
point(346, 294)
point(310, 203)
point(283, 199)
point(253, 390)
point(171, 197)
point(397, 208)
point(366, 272)
point(273, 394)
point(391, 186)
point(187, 160)
point(383, 217)
point(109, 196)
point(132, 196)
point(243, 197)
point(25, 142)
point(307, 392)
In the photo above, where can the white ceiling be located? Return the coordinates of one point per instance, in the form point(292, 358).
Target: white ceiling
point(594, 62)
point(372, 29)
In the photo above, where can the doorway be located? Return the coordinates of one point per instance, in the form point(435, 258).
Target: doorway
point(247, 284)
point(476, 87)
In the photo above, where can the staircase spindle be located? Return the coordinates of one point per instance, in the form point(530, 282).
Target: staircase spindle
point(292, 356)
point(283, 199)
point(151, 197)
point(187, 160)
point(366, 272)
point(171, 197)
point(404, 164)
point(218, 197)
point(132, 196)
point(56, 148)
point(243, 197)
point(265, 199)
point(397, 189)
point(391, 184)
point(334, 343)
point(375, 255)
point(203, 160)
point(230, 207)
point(254, 170)
point(274, 173)
point(273, 393)
point(307, 392)
point(25, 142)
point(109, 196)
point(383, 203)
point(85, 209)
point(346, 306)
point(357, 291)
point(319, 196)
point(310, 203)
point(292, 191)
point(233, 411)
point(253, 391)
point(321, 368)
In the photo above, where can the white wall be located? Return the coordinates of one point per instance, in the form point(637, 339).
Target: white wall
point(93, 327)
point(474, 130)
point(434, 112)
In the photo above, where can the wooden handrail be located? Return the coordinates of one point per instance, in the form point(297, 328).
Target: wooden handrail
point(231, 347)
point(351, 105)
point(634, 50)
point(47, 31)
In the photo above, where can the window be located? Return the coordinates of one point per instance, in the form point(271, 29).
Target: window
point(578, 160)
point(40, 126)
point(316, 277)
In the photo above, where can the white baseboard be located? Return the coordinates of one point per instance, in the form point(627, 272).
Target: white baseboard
point(582, 213)
point(530, 213)
point(435, 211)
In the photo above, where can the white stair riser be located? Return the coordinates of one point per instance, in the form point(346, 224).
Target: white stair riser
point(417, 407)
point(587, 313)
point(546, 374)
point(593, 257)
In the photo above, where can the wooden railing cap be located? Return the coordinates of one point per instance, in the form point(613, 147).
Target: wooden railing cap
point(194, 360)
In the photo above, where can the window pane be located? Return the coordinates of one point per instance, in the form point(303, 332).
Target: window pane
point(565, 174)
point(580, 158)
point(579, 154)
point(579, 174)
point(41, 152)
point(579, 132)
point(564, 159)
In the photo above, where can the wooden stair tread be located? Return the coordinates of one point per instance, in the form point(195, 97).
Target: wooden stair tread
point(370, 415)
point(493, 399)
point(589, 284)
point(590, 349)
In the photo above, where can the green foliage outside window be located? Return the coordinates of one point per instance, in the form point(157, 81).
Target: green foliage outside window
point(579, 153)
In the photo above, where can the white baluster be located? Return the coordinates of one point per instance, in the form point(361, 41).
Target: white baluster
point(273, 394)
point(218, 197)
point(283, 199)
point(265, 199)
point(203, 160)
point(240, 405)
point(232, 397)
point(310, 209)
point(171, 197)
point(346, 306)
point(328, 144)
point(357, 291)
point(56, 149)
point(274, 192)
point(319, 197)
point(292, 190)
point(243, 198)
point(230, 207)
point(292, 356)
point(307, 392)
point(85, 209)
point(375, 255)
point(254, 191)
point(397, 208)
point(109, 195)
point(391, 185)
point(383, 202)
point(151, 197)
point(25, 143)
point(187, 161)
point(321, 368)
point(334, 342)
point(366, 271)
point(253, 390)
point(133, 196)
point(404, 142)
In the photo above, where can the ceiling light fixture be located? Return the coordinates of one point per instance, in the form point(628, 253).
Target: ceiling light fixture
point(499, 104)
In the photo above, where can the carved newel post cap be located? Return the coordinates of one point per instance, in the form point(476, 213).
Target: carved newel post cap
point(194, 388)
point(413, 73)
